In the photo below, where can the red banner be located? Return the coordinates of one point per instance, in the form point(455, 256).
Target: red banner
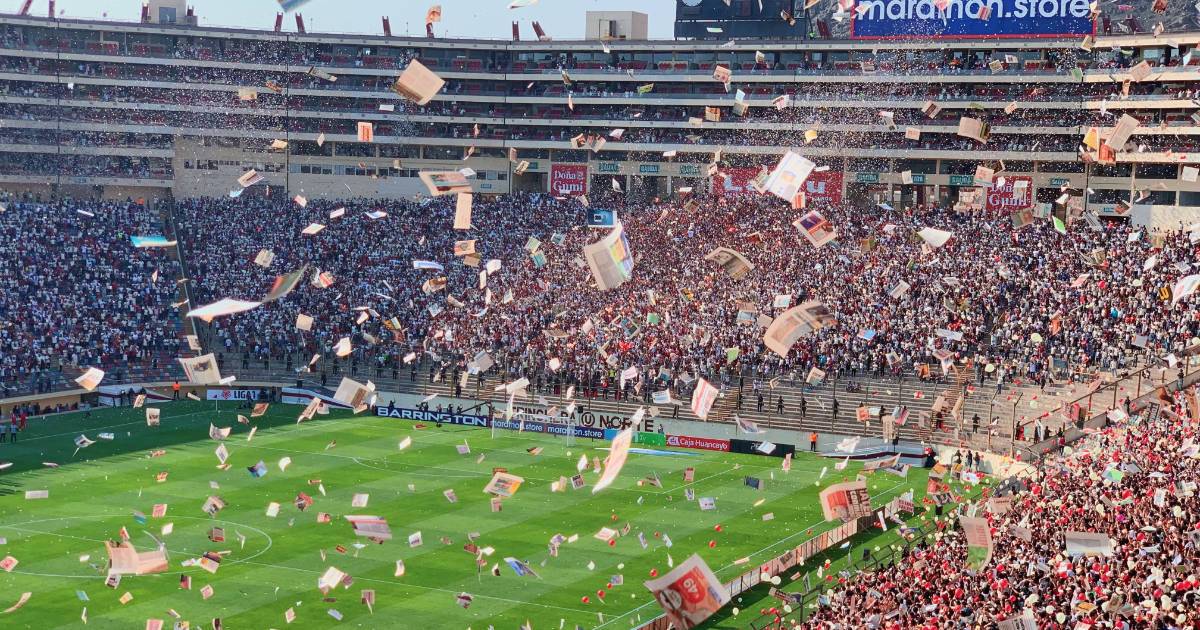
point(705, 444)
point(568, 180)
point(1006, 199)
point(821, 188)
point(736, 181)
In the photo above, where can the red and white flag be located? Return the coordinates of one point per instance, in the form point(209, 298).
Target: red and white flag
point(703, 398)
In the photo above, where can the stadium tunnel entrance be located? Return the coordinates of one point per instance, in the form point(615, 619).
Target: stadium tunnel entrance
point(530, 182)
point(868, 194)
point(638, 187)
point(909, 195)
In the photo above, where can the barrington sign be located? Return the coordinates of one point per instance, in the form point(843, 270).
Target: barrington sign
point(436, 417)
point(917, 19)
point(568, 180)
point(467, 420)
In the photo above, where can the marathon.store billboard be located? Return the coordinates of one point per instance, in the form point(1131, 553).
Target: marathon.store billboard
point(922, 19)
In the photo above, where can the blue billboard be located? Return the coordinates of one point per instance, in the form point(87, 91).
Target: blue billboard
point(536, 426)
point(602, 218)
point(416, 415)
point(916, 19)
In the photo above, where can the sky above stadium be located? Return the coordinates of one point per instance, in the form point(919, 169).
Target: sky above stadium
point(562, 19)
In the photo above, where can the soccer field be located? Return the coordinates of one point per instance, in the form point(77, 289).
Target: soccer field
point(58, 541)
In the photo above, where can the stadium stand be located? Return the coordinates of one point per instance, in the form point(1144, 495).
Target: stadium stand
point(1061, 307)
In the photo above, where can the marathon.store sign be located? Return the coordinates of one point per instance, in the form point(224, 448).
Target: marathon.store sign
point(910, 19)
point(534, 426)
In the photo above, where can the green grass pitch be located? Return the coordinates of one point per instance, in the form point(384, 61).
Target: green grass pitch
point(94, 493)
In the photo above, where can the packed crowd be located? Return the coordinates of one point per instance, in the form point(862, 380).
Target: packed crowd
point(628, 87)
point(56, 165)
point(74, 293)
point(1009, 292)
point(1133, 482)
point(945, 138)
point(391, 57)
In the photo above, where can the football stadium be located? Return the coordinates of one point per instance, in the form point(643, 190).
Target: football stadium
point(753, 314)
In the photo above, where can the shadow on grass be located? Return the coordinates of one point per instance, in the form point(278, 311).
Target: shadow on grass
point(52, 439)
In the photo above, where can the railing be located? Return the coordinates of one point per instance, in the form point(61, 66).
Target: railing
point(806, 407)
point(694, 68)
point(1188, 374)
point(870, 561)
point(886, 557)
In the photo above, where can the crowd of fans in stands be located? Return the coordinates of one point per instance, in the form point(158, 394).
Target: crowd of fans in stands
point(74, 293)
point(996, 285)
point(1148, 509)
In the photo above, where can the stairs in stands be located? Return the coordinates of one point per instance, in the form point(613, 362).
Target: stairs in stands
point(952, 423)
point(725, 408)
point(957, 389)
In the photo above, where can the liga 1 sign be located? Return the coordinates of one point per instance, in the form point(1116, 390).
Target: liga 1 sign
point(948, 19)
point(232, 394)
point(568, 180)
